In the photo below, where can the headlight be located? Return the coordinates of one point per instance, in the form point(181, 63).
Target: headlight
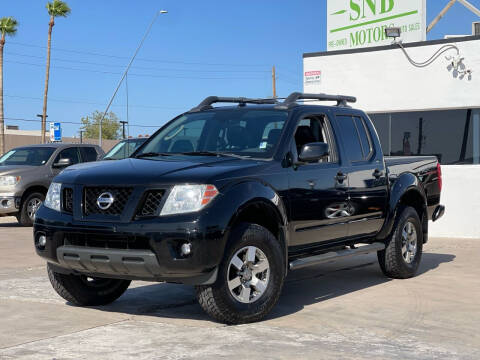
point(9, 180)
point(188, 198)
point(52, 200)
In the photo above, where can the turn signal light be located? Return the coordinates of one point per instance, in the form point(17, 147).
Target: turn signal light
point(210, 192)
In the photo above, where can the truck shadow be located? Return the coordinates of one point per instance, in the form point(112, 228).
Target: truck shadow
point(302, 288)
point(10, 224)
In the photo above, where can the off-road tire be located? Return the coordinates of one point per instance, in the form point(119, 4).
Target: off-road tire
point(216, 299)
point(391, 259)
point(76, 290)
point(22, 216)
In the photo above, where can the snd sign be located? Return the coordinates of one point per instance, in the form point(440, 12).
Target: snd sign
point(361, 23)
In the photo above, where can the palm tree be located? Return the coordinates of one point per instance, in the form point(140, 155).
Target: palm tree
point(56, 8)
point(8, 26)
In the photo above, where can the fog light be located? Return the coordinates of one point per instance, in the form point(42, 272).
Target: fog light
point(42, 241)
point(186, 249)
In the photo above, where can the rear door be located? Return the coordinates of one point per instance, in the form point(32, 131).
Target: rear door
point(317, 191)
point(367, 179)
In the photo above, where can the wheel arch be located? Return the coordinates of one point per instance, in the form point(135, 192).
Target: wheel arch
point(406, 191)
point(32, 189)
point(259, 204)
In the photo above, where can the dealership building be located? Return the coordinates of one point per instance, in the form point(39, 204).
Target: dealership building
point(424, 99)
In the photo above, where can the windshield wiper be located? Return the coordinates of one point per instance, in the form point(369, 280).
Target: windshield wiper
point(151, 154)
point(212, 153)
point(201, 153)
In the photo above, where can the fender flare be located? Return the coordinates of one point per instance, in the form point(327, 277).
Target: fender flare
point(240, 196)
point(405, 183)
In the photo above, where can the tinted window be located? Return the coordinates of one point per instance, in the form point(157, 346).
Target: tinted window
point(34, 156)
point(69, 153)
point(88, 154)
point(364, 136)
point(350, 138)
point(241, 131)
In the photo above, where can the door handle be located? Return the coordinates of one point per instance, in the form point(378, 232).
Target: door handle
point(341, 177)
point(377, 173)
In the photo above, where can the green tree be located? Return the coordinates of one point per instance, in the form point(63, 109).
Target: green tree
point(56, 8)
point(110, 126)
point(8, 26)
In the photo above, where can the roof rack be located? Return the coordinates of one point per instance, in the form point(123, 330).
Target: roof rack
point(341, 100)
point(241, 101)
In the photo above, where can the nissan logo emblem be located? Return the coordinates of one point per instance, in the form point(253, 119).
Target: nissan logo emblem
point(105, 200)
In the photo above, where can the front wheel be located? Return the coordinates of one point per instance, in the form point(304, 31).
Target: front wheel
point(86, 291)
point(250, 278)
point(29, 207)
point(403, 252)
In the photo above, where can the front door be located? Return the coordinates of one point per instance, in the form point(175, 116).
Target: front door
point(317, 191)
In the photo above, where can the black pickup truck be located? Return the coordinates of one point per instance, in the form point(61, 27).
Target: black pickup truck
point(231, 198)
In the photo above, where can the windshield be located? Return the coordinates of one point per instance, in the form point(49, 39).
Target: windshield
point(34, 156)
point(124, 149)
point(245, 132)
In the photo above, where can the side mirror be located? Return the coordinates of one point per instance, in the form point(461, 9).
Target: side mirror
point(62, 163)
point(313, 152)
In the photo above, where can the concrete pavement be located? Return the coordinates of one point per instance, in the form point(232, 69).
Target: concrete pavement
point(343, 310)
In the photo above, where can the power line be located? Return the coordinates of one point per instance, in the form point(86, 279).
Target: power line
point(138, 75)
point(70, 101)
point(137, 67)
point(76, 123)
point(139, 59)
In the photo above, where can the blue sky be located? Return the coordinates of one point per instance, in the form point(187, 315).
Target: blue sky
point(200, 48)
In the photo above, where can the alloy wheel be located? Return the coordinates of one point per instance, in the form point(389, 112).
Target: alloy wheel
point(32, 207)
point(248, 274)
point(409, 242)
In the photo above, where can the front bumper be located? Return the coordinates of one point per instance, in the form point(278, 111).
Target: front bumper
point(9, 204)
point(138, 250)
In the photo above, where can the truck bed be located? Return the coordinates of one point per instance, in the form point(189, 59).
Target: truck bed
point(425, 168)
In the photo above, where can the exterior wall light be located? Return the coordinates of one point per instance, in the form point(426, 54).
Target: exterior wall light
point(393, 32)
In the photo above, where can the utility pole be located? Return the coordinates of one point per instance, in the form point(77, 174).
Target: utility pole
point(123, 128)
point(81, 136)
point(274, 83)
point(44, 126)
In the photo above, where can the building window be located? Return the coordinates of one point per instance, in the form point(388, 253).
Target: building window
point(451, 135)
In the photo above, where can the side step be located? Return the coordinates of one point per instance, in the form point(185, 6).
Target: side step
point(335, 255)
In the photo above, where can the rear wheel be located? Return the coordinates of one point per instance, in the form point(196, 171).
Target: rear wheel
point(29, 207)
point(250, 278)
point(403, 252)
point(86, 291)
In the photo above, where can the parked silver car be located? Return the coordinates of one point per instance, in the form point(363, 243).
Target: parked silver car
point(26, 173)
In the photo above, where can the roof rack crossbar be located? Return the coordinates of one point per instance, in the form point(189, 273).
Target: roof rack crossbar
point(209, 101)
point(341, 100)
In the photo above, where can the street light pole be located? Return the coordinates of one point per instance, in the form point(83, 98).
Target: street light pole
point(125, 73)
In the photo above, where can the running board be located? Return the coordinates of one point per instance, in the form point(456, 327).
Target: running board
point(335, 255)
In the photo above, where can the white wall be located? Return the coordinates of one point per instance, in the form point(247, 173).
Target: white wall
point(384, 81)
point(461, 197)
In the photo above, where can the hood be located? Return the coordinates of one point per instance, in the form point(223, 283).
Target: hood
point(17, 169)
point(164, 170)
